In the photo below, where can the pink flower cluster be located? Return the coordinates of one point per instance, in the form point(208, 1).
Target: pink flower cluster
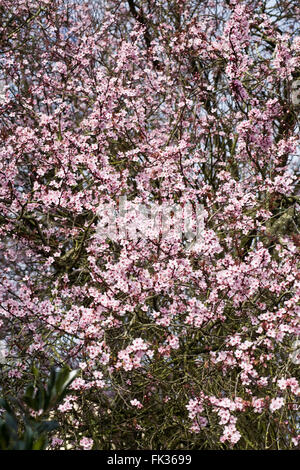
point(131, 357)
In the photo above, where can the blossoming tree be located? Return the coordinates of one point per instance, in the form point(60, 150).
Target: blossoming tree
point(169, 103)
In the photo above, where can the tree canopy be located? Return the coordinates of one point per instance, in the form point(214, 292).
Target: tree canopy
point(184, 338)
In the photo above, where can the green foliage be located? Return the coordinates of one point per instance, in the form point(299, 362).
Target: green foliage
point(24, 425)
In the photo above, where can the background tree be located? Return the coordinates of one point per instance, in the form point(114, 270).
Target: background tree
point(168, 103)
